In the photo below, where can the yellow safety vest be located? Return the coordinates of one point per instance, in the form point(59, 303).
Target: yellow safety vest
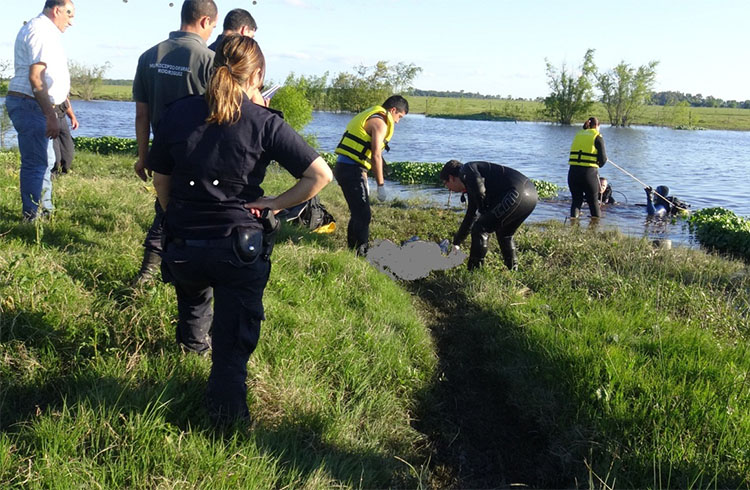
point(355, 143)
point(583, 151)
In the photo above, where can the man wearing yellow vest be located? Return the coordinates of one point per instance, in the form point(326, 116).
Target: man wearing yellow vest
point(361, 149)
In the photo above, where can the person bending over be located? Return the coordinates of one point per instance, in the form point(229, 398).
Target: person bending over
point(500, 199)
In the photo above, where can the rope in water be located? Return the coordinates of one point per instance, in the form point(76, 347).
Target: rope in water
point(642, 183)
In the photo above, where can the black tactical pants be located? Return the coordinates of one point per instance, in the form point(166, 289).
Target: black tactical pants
point(231, 330)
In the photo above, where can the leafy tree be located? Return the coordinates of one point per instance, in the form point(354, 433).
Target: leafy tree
point(313, 87)
point(4, 71)
point(368, 86)
point(290, 99)
point(401, 77)
point(679, 113)
point(626, 90)
point(85, 79)
point(572, 93)
point(350, 92)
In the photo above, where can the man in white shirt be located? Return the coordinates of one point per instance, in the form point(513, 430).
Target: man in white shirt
point(36, 93)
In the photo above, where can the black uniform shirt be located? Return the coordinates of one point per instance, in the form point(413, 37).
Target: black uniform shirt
point(215, 169)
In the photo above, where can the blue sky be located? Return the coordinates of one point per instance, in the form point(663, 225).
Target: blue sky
point(487, 46)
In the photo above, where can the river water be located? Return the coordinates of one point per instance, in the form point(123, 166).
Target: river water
point(703, 168)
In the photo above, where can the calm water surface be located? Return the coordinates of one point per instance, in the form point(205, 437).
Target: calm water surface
point(704, 168)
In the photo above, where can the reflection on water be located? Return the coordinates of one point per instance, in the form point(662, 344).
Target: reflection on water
point(703, 168)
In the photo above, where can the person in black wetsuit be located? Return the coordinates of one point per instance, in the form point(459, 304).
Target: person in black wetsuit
point(500, 199)
point(587, 155)
point(605, 192)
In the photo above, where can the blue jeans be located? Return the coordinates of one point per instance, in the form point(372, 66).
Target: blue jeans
point(37, 154)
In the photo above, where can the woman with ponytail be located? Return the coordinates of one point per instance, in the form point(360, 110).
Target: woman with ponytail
point(587, 155)
point(209, 158)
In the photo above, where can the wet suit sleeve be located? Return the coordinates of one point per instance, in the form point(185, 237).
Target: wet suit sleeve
point(601, 151)
point(465, 228)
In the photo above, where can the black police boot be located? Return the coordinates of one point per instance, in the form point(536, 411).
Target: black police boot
point(508, 249)
point(149, 266)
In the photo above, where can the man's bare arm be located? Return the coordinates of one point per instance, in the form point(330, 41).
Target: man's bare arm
point(376, 128)
point(41, 94)
point(142, 134)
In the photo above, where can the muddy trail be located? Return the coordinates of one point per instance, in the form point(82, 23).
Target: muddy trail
point(479, 436)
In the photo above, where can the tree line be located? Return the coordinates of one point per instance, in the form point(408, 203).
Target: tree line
point(623, 90)
point(675, 98)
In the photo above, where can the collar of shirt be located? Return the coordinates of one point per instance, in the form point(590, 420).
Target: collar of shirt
point(186, 35)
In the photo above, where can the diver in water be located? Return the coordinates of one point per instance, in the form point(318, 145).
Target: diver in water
point(605, 192)
point(662, 204)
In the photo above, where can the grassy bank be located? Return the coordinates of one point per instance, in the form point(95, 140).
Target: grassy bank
point(114, 92)
point(492, 109)
point(602, 358)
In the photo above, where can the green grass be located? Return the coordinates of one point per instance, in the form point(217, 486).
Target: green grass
point(603, 357)
point(114, 92)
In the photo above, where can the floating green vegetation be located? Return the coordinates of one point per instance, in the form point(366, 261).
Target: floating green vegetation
point(106, 145)
point(546, 190)
point(428, 173)
point(722, 230)
point(414, 172)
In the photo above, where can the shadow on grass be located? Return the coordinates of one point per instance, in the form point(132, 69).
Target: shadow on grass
point(485, 435)
point(49, 235)
point(294, 444)
point(481, 438)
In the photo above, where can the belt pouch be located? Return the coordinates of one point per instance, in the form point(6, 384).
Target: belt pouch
point(248, 244)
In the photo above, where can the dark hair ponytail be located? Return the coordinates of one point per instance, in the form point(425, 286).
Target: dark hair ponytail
point(591, 122)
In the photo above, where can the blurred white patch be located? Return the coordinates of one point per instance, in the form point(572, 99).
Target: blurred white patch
point(413, 260)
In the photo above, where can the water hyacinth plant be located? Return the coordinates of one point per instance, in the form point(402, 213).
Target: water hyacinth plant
point(106, 145)
point(722, 230)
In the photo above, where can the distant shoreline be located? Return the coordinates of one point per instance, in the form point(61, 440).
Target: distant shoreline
point(532, 111)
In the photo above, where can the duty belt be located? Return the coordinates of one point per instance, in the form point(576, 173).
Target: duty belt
point(226, 242)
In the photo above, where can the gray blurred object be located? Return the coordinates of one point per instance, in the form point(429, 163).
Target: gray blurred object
point(415, 259)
